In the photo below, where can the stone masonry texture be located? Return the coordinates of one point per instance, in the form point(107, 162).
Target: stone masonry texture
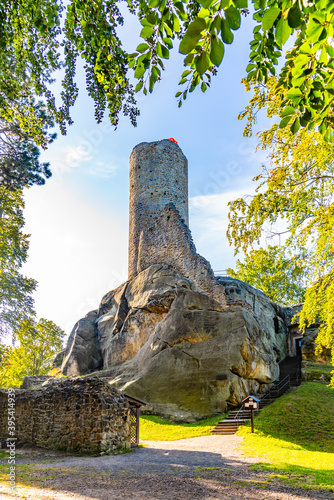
point(82, 415)
point(158, 175)
point(159, 232)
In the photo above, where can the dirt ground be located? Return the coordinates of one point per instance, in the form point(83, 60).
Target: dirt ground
point(208, 467)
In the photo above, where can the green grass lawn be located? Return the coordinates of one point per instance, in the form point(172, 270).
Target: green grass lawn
point(295, 434)
point(321, 372)
point(154, 428)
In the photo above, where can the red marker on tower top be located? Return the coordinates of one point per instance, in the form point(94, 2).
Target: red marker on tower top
point(171, 139)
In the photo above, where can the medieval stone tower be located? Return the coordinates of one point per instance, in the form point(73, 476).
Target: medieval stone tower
point(158, 230)
point(158, 176)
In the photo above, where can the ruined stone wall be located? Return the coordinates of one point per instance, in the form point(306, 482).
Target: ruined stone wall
point(84, 414)
point(158, 176)
point(174, 247)
point(159, 232)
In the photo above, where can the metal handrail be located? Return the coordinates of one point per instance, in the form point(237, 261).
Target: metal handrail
point(237, 415)
point(277, 387)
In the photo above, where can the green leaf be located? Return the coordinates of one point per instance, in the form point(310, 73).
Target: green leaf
point(195, 28)
point(151, 18)
point(217, 51)
point(168, 42)
point(168, 30)
point(216, 25)
point(269, 18)
point(162, 5)
point(176, 24)
point(241, 4)
point(233, 17)
point(319, 15)
point(147, 32)
point(294, 17)
point(330, 50)
point(187, 44)
point(323, 56)
point(188, 59)
point(186, 73)
point(194, 83)
point(206, 3)
point(289, 110)
point(159, 49)
point(153, 78)
point(181, 11)
point(165, 52)
point(329, 135)
point(204, 87)
point(139, 71)
point(285, 121)
point(226, 32)
point(139, 86)
point(154, 3)
point(295, 126)
point(314, 31)
point(294, 92)
point(203, 63)
point(283, 31)
point(305, 118)
point(142, 47)
point(178, 94)
point(250, 67)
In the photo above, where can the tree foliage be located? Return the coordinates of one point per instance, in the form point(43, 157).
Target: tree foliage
point(279, 276)
point(39, 343)
point(39, 39)
point(19, 156)
point(16, 302)
point(206, 27)
point(297, 189)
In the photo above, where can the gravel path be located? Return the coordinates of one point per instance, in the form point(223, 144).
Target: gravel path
point(208, 467)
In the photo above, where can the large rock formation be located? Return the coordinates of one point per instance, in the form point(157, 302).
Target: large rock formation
point(161, 341)
point(174, 335)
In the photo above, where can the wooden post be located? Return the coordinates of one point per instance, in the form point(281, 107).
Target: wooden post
point(252, 420)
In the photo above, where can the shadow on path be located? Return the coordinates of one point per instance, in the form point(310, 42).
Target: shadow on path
point(151, 474)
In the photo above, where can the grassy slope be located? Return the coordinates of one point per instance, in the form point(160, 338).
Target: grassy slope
point(153, 428)
point(296, 435)
point(318, 371)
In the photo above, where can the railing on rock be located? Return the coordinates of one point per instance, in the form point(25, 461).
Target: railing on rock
point(278, 389)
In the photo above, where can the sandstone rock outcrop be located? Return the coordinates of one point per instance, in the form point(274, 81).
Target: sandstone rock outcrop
point(82, 354)
point(174, 335)
point(162, 341)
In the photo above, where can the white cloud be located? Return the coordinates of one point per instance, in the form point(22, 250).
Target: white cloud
point(65, 159)
point(104, 170)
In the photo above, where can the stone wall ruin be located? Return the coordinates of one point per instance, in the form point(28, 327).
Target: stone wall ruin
point(82, 415)
point(158, 217)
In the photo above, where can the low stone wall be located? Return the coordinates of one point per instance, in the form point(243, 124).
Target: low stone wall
point(84, 415)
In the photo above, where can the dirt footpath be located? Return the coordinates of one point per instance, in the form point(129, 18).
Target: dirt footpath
point(208, 467)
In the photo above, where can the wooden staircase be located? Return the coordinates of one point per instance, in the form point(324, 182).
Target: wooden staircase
point(289, 376)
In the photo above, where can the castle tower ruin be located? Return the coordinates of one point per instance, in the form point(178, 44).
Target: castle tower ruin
point(158, 176)
point(158, 231)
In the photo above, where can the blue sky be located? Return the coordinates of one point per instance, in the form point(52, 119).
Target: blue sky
point(78, 221)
